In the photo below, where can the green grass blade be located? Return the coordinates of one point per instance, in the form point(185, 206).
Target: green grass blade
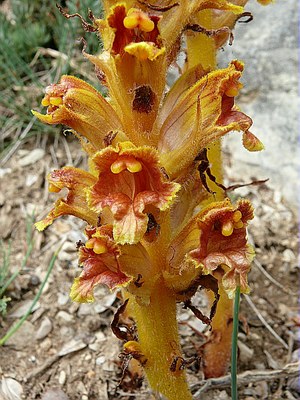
point(14, 328)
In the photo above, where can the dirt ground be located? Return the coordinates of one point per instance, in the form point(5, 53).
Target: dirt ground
point(67, 351)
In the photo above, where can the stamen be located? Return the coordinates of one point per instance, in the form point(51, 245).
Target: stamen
point(146, 25)
point(134, 166)
point(99, 247)
point(131, 164)
point(239, 225)
point(233, 89)
point(53, 189)
point(118, 166)
point(56, 101)
point(131, 21)
point(45, 102)
point(237, 215)
point(227, 228)
point(90, 243)
point(138, 19)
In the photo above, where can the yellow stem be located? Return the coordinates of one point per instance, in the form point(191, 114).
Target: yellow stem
point(158, 336)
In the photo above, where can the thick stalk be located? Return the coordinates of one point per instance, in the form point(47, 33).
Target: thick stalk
point(158, 336)
point(218, 349)
point(202, 49)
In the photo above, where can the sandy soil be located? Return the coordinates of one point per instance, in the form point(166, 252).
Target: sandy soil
point(67, 351)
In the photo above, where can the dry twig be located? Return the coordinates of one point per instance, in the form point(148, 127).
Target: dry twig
point(288, 371)
point(261, 318)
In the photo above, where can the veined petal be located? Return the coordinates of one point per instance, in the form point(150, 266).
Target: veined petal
point(77, 104)
point(223, 243)
point(203, 113)
point(129, 180)
point(144, 50)
point(76, 181)
point(213, 239)
point(100, 261)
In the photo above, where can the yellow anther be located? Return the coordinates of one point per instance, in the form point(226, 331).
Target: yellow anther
point(227, 228)
point(90, 243)
point(237, 215)
point(56, 101)
point(233, 90)
point(146, 24)
point(117, 166)
point(239, 225)
point(45, 102)
point(99, 247)
point(53, 189)
point(131, 21)
point(133, 166)
point(138, 19)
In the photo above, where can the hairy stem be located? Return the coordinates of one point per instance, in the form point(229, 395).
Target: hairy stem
point(217, 350)
point(158, 336)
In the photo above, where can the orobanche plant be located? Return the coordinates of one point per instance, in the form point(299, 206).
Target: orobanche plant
point(159, 224)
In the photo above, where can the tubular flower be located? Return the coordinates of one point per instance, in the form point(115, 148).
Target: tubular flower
point(99, 258)
point(129, 181)
point(133, 64)
point(77, 104)
point(76, 181)
point(200, 114)
point(214, 239)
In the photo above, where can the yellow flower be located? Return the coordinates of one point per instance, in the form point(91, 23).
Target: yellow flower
point(196, 112)
point(78, 105)
point(76, 181)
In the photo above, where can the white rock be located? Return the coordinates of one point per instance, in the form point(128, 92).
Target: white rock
point(246, 353)
point(22, 309)
point(44, 329)
point(100, 360)
point(10, 389)
point(62, 378)
point(55, 394)
point(64, 318)
point(62, 299)
point(32, 157)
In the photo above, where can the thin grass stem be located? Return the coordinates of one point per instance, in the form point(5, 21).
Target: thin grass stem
point(14, 328)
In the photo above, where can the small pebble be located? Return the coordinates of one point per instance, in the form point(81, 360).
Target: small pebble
point(10, 389)
point(64, 318)
point(44, 329)
point(62, 378)
point(100, 360)
point(55, 394)
point(46, 344)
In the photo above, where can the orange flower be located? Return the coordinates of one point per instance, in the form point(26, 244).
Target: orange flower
point(130, 180)
point(76, 181)
point(100, 260)
point(214, 239)
point(77, 104)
